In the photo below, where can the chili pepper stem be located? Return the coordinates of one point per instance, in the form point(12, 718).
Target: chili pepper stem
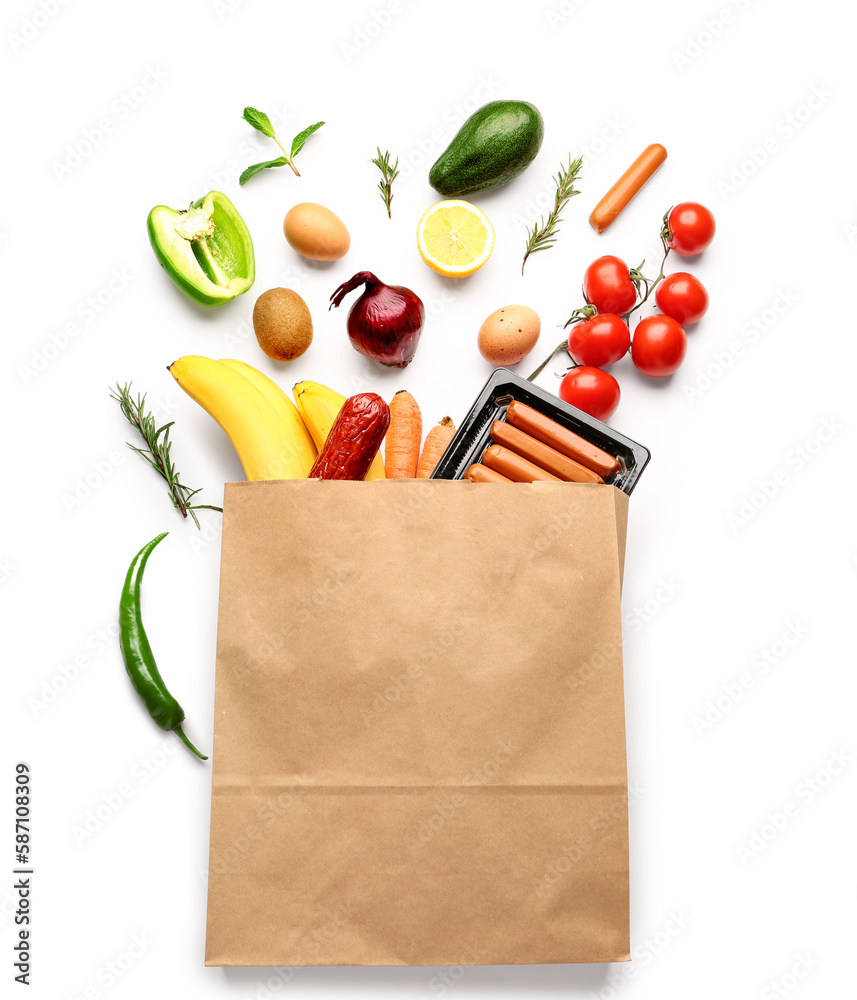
point(181, 735)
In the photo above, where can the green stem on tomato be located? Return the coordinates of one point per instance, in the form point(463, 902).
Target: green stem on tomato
point(581, 314)
point(563, 345)
point(666, 236)
point(578, 316)
point(651, 285)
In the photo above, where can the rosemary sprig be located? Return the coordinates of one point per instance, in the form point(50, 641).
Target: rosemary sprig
point(157, 450)
point(388, 173)
point(544, 234)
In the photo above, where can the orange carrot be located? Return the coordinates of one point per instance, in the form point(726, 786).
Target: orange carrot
point(437, 440)
point(402, 446)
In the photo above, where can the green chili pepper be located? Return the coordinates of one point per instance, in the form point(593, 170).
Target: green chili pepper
point(137, 653)
point(207, 250)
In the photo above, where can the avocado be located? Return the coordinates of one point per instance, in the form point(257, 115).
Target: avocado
point(496, 143)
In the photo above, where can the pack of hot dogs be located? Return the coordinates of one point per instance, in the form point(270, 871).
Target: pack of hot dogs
point(517, 432)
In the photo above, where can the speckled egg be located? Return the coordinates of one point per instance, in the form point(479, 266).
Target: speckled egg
point(508, 335)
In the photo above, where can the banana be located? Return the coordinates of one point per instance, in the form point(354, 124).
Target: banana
point(287, 410)
point(261, 437)
point(319, 407)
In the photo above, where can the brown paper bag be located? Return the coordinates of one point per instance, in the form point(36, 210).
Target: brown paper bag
point(419, 744)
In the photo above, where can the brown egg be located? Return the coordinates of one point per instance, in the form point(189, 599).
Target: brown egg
point(315, 232)
point(509, 334)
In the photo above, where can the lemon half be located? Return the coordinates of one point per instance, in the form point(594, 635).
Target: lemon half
point(455, 238)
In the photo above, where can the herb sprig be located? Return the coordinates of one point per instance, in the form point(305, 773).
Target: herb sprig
point(157, 450)
point(262, 123)
point(544, 233)
point(388, 174)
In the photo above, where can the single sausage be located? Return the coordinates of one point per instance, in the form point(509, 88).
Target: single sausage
point(354, 439)
point(541, 454)
point(512, 466)
point(551, 433)
point(482, 474)
point(606, 211)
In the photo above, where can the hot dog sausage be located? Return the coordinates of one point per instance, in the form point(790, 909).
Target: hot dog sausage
point(551, 433)
point(606, 211)
point(482, 474)
point(512, 466)
point(542, 455)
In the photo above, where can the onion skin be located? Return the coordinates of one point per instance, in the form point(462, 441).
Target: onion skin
point(385, 322)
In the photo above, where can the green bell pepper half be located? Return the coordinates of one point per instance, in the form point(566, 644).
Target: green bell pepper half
point(207, 250)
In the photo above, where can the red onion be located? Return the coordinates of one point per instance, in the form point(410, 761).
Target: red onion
point(385, 322)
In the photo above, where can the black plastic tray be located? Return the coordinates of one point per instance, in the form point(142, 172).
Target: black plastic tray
point(473, 436)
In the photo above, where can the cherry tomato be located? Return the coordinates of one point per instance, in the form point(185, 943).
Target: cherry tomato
point(692, 227)
point(683, 297)
point(591, 390)
point(659, 345)
point(600, 340)
point(608, 286)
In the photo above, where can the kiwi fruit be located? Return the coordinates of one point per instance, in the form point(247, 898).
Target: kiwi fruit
point(282, 324)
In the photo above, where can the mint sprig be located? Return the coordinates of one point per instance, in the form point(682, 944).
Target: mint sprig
point(280, 161)
point(262, 123)
point(301, 138)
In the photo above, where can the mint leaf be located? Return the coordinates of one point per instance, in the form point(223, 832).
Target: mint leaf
point(301, 138)
point(260, 121)
point(280, 161)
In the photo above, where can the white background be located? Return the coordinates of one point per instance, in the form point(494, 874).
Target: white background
point(609, 78)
